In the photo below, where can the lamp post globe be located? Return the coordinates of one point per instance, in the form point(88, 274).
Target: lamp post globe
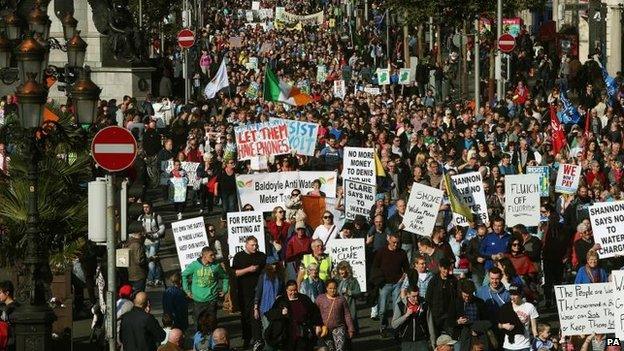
point(31, 101)
point(85, 95)
point(38, 21)
point(69, 26)
point(12, 23)
point(5, 52)
point(30, 59)
point(76, 50)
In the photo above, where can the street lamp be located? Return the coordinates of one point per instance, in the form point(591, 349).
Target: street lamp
point(31, 100)
point(69, 26)
point(38, 21)
point(12, 25)
point(85, 95)
point(5, 52)
point(76, 50)
point(31, 59)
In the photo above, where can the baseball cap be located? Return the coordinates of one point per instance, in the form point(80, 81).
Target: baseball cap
point(300, 225)
point(445, 340)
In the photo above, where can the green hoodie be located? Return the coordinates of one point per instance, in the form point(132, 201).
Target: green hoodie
point(205, 286)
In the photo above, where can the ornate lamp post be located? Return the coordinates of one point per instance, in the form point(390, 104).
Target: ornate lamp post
point(33, 320)
point(38, 21)
point(85, 95)
point(69, 26)
point(5, 52)
point(31, 59)
point(76, 50)
point(13, 26)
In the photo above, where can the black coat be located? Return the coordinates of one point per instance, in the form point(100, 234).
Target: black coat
point(140, 331)
point(278, 333)
point(457, 310)
point(506, 314)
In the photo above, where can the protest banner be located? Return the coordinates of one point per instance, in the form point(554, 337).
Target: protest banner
point(264, 191)
point(522, 200)
point(286, 17)
point(568, 178)
point(321, 73)
point(255, 5)
point(607, 224)
point(253, 90)
point(618, 302)
point(359, 198)
point(240, 226)
point(585, 308)
point(359, 165)
point(544, 178)
point(252, 63)
point(422, 209)
point(235, 42)
point(189, 167)
point(340, 89)
point(383, 76)
point(352, 251)
point(190, 238)
point(262, 139)
point(405, 76)
point(470, 187)
point(301, 135)
point(372, 90)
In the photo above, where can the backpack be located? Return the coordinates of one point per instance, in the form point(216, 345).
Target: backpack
point(4, 335)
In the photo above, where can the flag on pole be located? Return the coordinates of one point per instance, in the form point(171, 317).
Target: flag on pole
point(611, 86)
point(280, 91)
point(569, 114)
point(379, 170)
point(558, 136)
point(218, 82)
point(457, 205)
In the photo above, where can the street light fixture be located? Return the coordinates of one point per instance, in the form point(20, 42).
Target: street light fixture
point(31, 59)
point(85, 95)
point(76, 50)
point(5, 52)
point(69, 26)
point(38, 21)
point(12, 25)
point(31, 100)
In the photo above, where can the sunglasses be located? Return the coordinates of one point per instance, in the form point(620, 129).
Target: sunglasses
point(211, 230)
point(328, 217)
point(280, 211)
point(515, 244)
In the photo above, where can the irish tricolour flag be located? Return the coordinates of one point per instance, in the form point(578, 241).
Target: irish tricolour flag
point(280, 91)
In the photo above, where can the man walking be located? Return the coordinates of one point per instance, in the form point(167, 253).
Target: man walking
point(139, 329)
point(154, 228)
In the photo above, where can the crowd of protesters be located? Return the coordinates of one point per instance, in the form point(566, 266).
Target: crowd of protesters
point(479, 287)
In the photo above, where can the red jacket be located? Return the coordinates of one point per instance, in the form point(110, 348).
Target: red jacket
point(278, 233)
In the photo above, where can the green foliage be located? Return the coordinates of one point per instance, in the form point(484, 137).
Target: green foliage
point(64, 170)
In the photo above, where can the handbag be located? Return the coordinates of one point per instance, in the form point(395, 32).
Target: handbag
point(324, 328)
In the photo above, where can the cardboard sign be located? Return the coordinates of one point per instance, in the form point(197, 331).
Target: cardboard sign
point(340, 89)
point(522, 200)
point(470, 188)
point(568, 178)
point(544, 178)
point(422, 209)
point(262, 139)
point(190, 238)
point(189, 167)
point(405, 76)
point(240, 226)
point(618, 302)
point(359, 165)
point(301, 135)
point(607, 222)
point(383, 76)
point(264, 191)
point(352, 251)
point(585, 308)
point(359, 198)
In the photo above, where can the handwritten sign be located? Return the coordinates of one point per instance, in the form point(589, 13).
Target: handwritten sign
point(522, 200)
point(470, 187)
point(264, 191)
point(422, 209)
point(544, 180)
point(568, 178)
point(340, 89)
point(189, 167)
point(352, 251)
point(405, 76)
point(585, 308)
point(359, 165)
point(607, 222)
point(618, 302)
point(190, 238)
point(359, 198)
point(240, 226)
point(301, 135)
point(262, 139)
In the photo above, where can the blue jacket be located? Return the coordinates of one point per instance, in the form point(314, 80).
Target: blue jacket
point(493, 299)
point(583, 278)
point(175, 305)
point(493, 244)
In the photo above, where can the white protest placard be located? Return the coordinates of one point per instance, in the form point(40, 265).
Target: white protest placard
point(252, 63)
point(255, 5)
point(585, 308)
point(422, 209)
point(189, 167)
point(359, 165)
point(301, 135)
point(544, 180)
point(321, 73)
point(383, 76)
point(522, 200)
point(352, 251)
point(340, 89)
point(568, 178)
point(240, 226)
point(405, 76)
point(607, 223)
point(264, 191)
point(372, 90)
point(262, 139)
point(618, 302)
point(470, 187)
point(190, 238)
point(359, 198)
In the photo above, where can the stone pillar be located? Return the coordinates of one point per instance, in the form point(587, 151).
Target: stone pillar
point(614, 36)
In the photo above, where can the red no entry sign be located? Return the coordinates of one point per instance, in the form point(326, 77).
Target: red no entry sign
point(186, 38)
point(506, 43)
point(114, 148)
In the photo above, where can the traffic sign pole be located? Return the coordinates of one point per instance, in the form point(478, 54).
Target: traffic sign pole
point(111, 250)
point(186, 39)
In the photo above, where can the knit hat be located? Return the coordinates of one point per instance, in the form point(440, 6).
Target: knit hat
point(125, 291)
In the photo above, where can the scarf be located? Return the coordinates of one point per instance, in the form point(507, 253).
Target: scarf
point(270, 288)
point(592, 274)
